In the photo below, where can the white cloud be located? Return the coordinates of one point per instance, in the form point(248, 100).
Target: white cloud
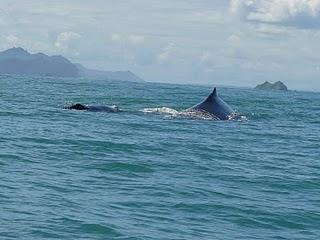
point(208, 60)
point(115, 37)
point(206, 16)
point(136, 39)
point(132, 39)
point(240, 7)
point(12, 40)
point(206, 56)
point(64, 40)
point(166, 52)
point(234, 39)
point(267, 29)
point(2, 17)
point(300, 13)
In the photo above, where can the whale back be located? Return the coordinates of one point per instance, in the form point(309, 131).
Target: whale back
point(214, 105)
point(79, 106)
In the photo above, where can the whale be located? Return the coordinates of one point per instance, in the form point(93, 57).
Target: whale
point(214, 106)
point(82, 107)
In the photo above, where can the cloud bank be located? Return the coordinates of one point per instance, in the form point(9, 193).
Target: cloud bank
point(298, 13)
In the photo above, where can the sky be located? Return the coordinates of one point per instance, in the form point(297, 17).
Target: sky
point(216, 42)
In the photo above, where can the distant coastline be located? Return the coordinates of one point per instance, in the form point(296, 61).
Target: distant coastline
point(18, 61)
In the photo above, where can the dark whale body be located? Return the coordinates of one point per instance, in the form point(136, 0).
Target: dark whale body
point(215, 106)
point(82, 107)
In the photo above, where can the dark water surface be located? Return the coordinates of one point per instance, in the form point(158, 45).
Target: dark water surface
point(131, 175)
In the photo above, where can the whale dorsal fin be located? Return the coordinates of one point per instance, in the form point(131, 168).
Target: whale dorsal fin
point(214, 92)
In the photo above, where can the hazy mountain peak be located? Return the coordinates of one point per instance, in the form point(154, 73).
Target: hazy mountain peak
point(113, 75)
point(15, 52)
point(19, 61)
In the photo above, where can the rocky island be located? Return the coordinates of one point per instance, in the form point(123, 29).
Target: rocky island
point(21, 62)
point(272, 86)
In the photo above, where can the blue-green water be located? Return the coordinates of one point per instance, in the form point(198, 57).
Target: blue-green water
point(131, 175)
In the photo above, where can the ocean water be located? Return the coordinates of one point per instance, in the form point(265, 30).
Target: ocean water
point(146, 173)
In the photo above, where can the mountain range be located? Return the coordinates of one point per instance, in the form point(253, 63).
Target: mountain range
point(21, 62)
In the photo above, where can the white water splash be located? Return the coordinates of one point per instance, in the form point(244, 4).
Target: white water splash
point(195, 114)
point(172, 113)
point(161, 110)
point(189, 114)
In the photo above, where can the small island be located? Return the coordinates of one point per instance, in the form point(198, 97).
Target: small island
point(272, 86)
